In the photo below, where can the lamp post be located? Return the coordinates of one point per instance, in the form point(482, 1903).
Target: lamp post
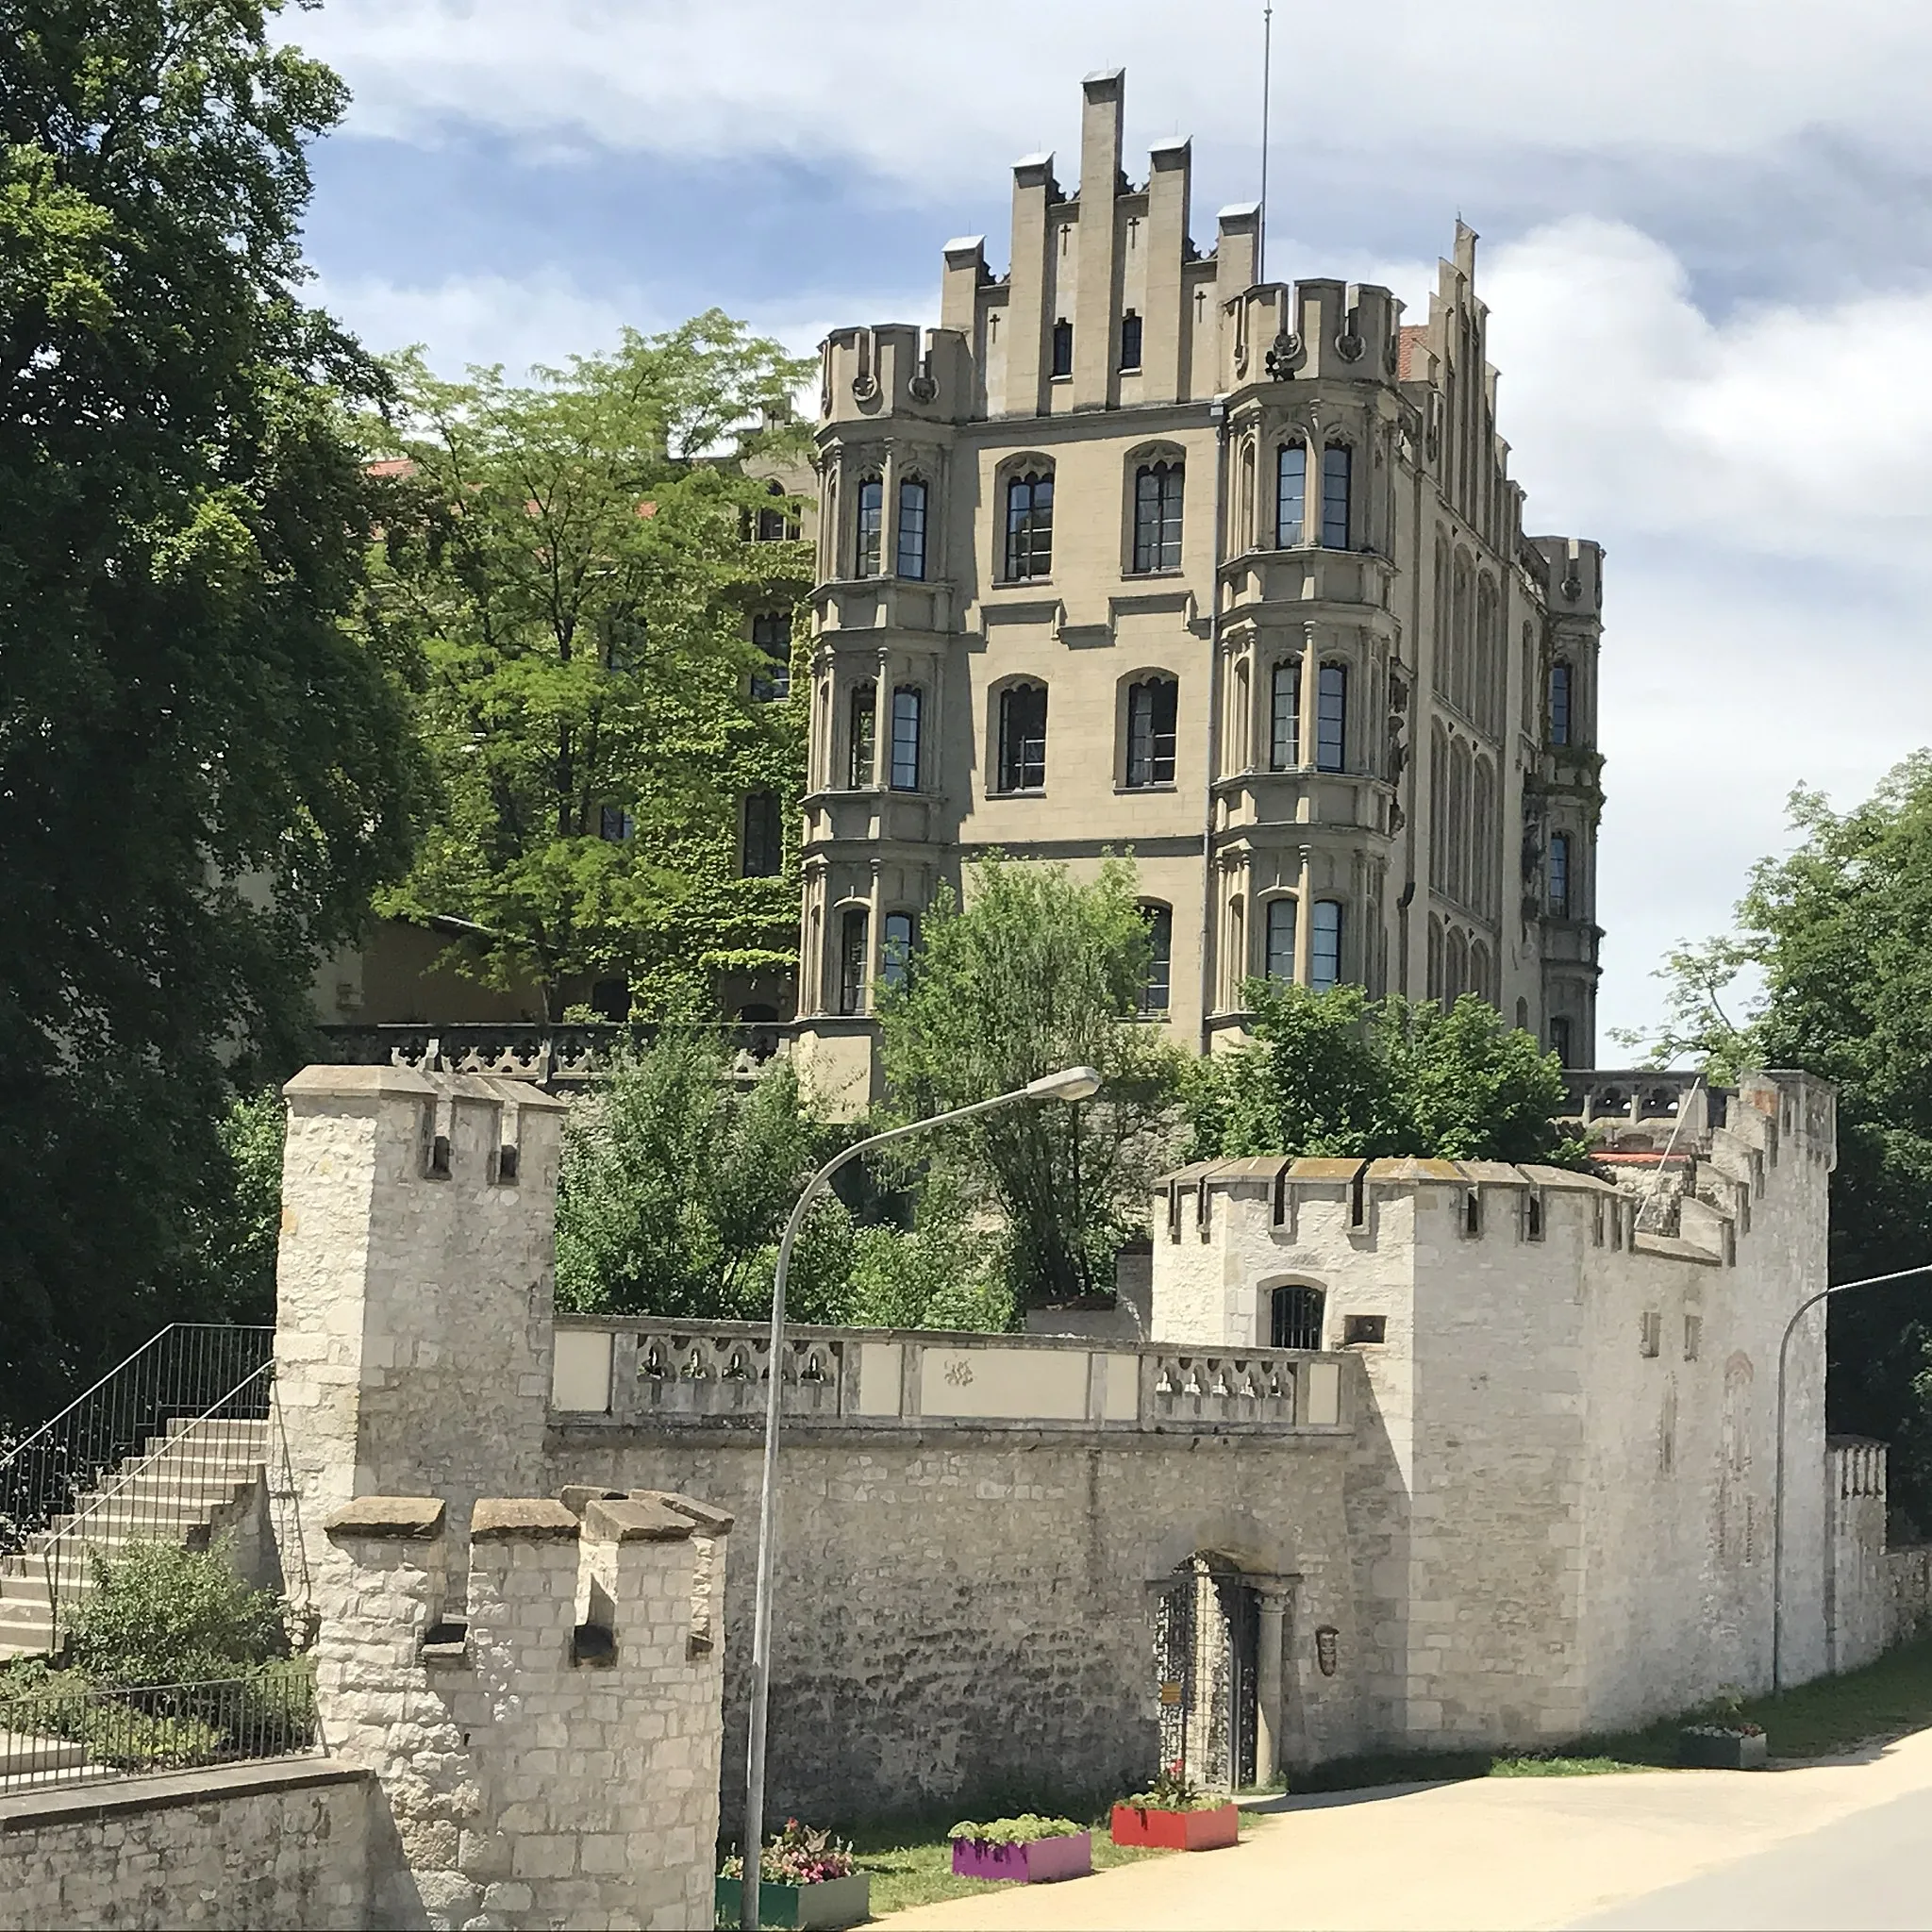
point(1073, 1083)
point(1777, 1503)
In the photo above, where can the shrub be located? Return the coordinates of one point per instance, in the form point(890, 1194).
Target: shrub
point(161, 1614)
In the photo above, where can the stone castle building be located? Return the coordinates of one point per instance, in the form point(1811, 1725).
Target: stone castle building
point(1135, 553)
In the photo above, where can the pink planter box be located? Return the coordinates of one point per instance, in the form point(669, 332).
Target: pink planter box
point(1039, 1863)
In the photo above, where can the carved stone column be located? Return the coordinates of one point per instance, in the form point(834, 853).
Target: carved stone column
point(1269, 1716)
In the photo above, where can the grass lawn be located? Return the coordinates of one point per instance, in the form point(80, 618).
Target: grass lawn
point(911, 1860)
point(1833, 1714)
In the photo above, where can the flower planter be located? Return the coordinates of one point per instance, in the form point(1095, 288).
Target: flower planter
point(1723, 1749)
point(1177, 1831)
point(1038, 1862)
point(832, 1902)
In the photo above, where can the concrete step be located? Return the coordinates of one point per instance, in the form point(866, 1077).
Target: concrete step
point(203, 1488)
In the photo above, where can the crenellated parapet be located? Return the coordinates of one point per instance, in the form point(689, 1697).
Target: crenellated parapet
point(550, 1754)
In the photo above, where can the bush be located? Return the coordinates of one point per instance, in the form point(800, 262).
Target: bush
point(1028, 1829)
point(161, 1614)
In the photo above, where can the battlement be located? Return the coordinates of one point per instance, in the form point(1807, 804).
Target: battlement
point(1572, 575)
point(895, 369)
point(1313, 329)
point(552, 1757)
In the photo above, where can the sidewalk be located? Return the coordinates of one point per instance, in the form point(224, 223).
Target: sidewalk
point(1492, 1853)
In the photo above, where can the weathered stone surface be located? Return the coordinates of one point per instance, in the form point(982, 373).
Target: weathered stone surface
point(522, 1519)
point(638, 1519)
point(403, 1516)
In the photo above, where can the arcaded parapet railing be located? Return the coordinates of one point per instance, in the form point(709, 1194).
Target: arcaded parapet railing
point(641, 1373)
point(1645, 1093)
point(552, 1055)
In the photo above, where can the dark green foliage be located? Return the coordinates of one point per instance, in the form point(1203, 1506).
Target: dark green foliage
point(161, 1614)
point(575, 570)
point(677, 1186)
point(1335, 1073)
point(1037, 973)
point(204, 760)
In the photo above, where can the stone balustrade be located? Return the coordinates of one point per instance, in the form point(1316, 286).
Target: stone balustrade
point(1645, 1093)
point(643, 1372)
point(551, 1055)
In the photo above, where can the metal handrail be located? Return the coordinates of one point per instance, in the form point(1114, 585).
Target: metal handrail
point(52, 1550)
point(154, 1340)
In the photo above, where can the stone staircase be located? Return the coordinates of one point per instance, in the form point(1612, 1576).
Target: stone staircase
point(184, 1486)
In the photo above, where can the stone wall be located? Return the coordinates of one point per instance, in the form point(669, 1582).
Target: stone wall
point(555, 1759)
point(1858, 1608)
point(246, 1848)
point(413, 1287)
point(1560, 1495)
point(963, 1611)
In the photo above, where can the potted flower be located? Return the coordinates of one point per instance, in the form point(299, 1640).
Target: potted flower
point(806, 1878)
point(1030, 1849)
point(1723, 1739)
point(1723, 1745)
point(1174, 1815)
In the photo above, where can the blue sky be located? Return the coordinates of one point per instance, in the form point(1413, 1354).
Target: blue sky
point(1706, 245)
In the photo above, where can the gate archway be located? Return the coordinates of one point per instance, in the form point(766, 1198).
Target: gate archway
point(1207, 1630)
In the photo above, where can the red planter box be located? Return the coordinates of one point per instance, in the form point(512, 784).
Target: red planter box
point(1177, 1831)
point(1038, 1863)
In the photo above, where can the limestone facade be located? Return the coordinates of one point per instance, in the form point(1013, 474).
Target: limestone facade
point(1135, 551)
point(1562, 1496)
point(552, 1760)
point(1440, 1454)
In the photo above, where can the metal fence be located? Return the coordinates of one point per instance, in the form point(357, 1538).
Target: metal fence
point(55, 1730)
point(190, 1369)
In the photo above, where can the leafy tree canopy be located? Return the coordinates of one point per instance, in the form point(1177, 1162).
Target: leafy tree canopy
point(1036, 972)
point(1335, 1073)
point(204, 764)
point(573, 563)
point(1833, 953)
point(675, 1187)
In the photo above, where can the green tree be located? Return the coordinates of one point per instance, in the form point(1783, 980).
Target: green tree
point(1038, 972)
point(675, 1187)
point(1335, 1073)
point(1838, 935)
point(573, 563)
point(204, 764)
point(162, 1614)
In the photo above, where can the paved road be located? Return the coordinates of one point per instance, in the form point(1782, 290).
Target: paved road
point(1835, 1844)
point(1868, 1872)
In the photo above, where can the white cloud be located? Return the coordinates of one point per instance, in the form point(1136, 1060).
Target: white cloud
point(927, 96)
point(1760, 485)
point(546, 318)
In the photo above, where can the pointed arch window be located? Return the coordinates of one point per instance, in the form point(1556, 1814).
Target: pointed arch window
point(900, 933)
point(853, 930)
point(1290, 494)
point(1338, 461)
point(775, 526)
point(763, 843)
point(1131, 342)
point(1285, 716)
point(1155, 992)
point(1278, 962)
point(1029, 525)
point(1325, 946)
point(1023, 738)
point(872, 514)
point(909, 556)
point(907, 704)
point(1063, 347)
point(1559, 876)
point(862, 735)
point(1153, 707)
point(1331, 719)
point(1158, 517)
point(771, 632)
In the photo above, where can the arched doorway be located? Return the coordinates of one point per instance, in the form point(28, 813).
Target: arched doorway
point(1206, 1672)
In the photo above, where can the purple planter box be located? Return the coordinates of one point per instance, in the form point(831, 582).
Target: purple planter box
point(1039, 1863)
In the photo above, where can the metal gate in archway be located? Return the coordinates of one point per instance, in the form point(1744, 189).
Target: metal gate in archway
point(1207, 1632)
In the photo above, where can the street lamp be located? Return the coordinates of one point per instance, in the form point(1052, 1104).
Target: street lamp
point(1777, 1504)
point(1070, 1083)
